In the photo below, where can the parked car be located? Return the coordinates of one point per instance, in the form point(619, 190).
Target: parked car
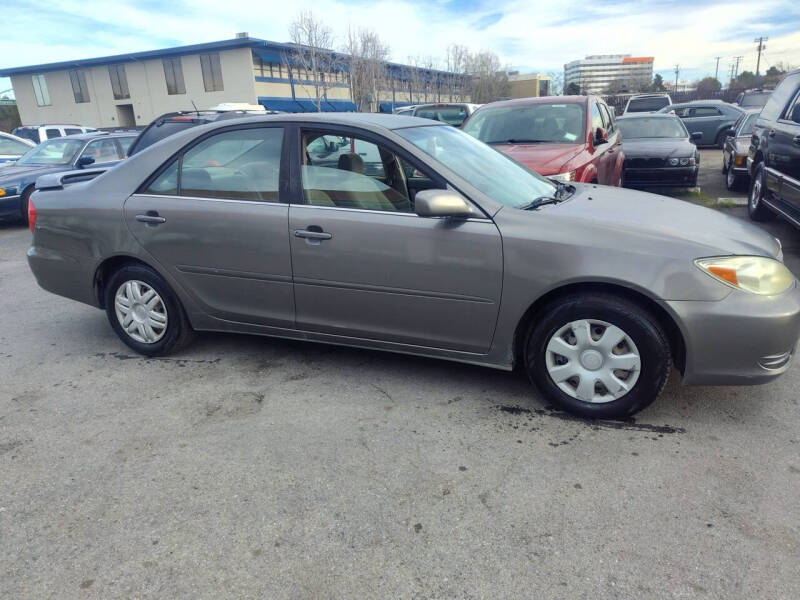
point(735, 148)
point(451, 113)
point(774, 154)
point(54, 156)
point(173, 122)
point(12, 147)
point(568, 138)
point(752, 99)
point(659, 152)
point(40, 133)
point(710, 118)
point(647, 103)
point(405, 110)
point(593, 290)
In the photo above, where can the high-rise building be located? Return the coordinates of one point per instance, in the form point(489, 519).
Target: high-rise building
point(606, 73)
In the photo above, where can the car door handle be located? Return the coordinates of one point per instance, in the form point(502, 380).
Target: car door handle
point(311, 234)
point(151, 218)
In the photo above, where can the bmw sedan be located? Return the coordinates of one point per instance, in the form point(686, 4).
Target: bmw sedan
point(658, 151)
point(448, 249)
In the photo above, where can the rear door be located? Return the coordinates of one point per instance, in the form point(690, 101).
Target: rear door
point(214, 219)
point(704, 119)
point(366, 266)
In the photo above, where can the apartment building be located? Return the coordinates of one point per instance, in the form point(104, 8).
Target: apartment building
point(605, 73)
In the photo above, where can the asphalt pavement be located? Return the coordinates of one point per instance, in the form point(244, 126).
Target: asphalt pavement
point(248, 467)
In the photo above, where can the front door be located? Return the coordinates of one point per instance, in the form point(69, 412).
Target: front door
point(213, 218)
point(784, 154)
point(366, 266)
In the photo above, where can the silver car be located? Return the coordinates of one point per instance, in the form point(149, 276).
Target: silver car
point(446, 248)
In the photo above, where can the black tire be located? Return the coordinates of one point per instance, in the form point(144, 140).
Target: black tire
point(720, 141)
point(23, 204)
point(724, 165)
point(757, 210)
point(636, 321)
point(177, 332)
point(733, 181)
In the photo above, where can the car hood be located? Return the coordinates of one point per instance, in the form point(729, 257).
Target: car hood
point(544, 158)
point(658, 148)
point(655, 216)
point(17, 172)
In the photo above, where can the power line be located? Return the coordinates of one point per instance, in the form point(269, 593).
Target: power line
point(761, 46)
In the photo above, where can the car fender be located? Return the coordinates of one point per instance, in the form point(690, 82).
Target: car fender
point(589, 173)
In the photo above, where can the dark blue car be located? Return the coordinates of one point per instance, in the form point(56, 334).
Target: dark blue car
point(68, 153)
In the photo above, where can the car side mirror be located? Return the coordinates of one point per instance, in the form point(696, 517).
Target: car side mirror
point(697, 135)
point(600, 136)
point(730, 132)
point(796, 113)
point(85, 161)
point(442, 203)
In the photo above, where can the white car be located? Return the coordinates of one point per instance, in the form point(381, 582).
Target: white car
point(39, 133)
point(12, 147)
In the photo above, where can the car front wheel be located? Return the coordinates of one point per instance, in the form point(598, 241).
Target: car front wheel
point(755, 205)
point(597, 356)
point(144, 312)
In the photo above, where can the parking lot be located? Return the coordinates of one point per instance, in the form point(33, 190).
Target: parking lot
point(250, 467)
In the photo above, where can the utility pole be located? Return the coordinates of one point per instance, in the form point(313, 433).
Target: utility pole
point(736, 71)
point(716, 71)
point(760, 41)
point(677, 72)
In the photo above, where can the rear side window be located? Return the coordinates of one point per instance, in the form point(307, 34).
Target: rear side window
point(72, 131)
point(29, 133)
point(125, 144)
point(241, 165)
point(706, 111)
point(52, 133)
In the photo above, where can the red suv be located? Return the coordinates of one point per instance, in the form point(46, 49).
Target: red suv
point(569, 138)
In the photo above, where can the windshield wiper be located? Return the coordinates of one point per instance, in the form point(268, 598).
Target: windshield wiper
point(540, 201)
point(518, 141)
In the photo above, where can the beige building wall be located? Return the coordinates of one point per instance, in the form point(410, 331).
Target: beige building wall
point(528, 86)
point(148, 91)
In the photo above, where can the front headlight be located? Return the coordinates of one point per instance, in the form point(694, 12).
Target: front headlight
point(563, 177)
point(9, 189)
point(755, 274)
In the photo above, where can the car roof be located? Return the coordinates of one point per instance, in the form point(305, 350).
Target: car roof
point(90, 135)
point(658, 95)
point(537, 100)
point(647, 116)
point(377, 120)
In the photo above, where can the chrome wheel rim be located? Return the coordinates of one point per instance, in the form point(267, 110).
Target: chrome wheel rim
point(593, 361)
point(731, 176)
point(140, 311)
point(755, 194)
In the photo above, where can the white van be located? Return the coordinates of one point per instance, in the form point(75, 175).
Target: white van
point(40, 133)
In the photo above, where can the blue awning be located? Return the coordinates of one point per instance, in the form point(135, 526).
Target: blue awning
point(342, 105)
point(282, 104)
point(306, 104)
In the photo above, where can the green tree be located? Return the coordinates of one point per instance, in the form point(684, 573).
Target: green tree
point(658, 83)
point(707, 86)
point(573, 89)
point(746, 79)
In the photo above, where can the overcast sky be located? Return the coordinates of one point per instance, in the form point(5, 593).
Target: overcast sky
point(530, 36)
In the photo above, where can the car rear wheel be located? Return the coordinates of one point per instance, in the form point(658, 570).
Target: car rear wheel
point(720, 141)
point(144, 312)
point(597, 356)
point(755, 205)
point(732, 180)
point(23, 205)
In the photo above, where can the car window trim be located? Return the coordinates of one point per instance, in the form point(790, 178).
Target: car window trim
point(178, 156)
point(787, 111)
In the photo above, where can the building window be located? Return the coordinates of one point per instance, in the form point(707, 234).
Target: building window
point(40, 90)
point(173, 73)
point(212, 72)
point(79, 87)
point(119, 82)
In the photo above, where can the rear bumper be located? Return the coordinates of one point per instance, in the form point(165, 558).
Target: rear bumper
point(63, 274)
point(661, 177)
point(741, 340)
point(10, 206)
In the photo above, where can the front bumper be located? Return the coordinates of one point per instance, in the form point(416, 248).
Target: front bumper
point(10, 206)
point(661, 177)
point(741, 340)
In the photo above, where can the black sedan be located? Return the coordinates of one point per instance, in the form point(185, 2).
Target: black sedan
point(17, 180)
point(735, 148)
point(659, 151)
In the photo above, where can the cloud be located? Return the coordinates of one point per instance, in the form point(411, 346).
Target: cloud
point(529, 36)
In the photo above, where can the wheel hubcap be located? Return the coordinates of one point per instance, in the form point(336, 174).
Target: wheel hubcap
point(140, 311)
point(731, 175)
point(593, 361)
point(755, 195)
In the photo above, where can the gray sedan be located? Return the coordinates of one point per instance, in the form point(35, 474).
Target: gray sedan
point(711, 119)
point(446, 249)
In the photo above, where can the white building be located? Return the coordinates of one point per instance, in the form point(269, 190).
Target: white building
point(609, 72)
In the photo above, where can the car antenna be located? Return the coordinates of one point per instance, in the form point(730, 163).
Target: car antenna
point(195, 107)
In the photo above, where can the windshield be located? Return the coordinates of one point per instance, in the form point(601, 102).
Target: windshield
point(490, 171)
point(563, 123)
point(60, 151)
point(747, 127)
point(755, 100)
point(651, 127)
point(452, 115)
point(647, 104)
